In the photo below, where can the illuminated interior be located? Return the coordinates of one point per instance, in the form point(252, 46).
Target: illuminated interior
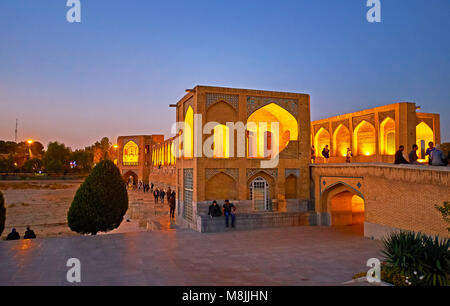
point(424, 134)
point(260, 137)
point(341, 140)
point(321, 139)
point(387, 137)
point(347, 208)
point(364, 139)
point(189, 133)
point(221, 141)
point(130, 153)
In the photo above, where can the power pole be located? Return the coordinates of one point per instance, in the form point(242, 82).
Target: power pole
point(15, 136)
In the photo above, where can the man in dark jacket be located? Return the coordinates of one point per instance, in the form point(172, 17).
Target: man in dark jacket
point(172, 204)
point(413, 158)
point(399, 158)
point(29, 234)
point(214, 210)
point(14, 235)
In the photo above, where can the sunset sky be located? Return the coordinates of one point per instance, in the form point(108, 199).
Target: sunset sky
point(117, 71)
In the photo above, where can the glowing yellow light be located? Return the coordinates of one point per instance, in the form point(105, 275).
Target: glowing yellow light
point(221, 141)
point(115, 146)
point(189, 133)
point(131, 153)
point(30, 141)
point(367, 154)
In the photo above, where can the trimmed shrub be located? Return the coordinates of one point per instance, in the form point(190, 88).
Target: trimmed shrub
point(101, 201)
point(2, 213)
point(420, 259)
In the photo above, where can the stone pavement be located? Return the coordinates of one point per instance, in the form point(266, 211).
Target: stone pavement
point(283, 256)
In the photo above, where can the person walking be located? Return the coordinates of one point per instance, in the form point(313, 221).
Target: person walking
point(29, 234)
point(326, 154)
point(438, 157)
point(348, 156)
point(429, 152)
point(399, 158)
point(172, 205)
point(156, 195)
point(161, 195)
point(14, 235)
point(313, 155)
point(229, 210)
point(413, 158)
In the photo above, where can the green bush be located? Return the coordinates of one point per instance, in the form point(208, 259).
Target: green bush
point(2, 213)
point(101, 201)
point(445, 212)
point(420, 259)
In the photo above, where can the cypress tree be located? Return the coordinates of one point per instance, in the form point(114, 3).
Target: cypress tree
point(101, 201)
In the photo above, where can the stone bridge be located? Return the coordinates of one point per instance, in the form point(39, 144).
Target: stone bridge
point(383, 197)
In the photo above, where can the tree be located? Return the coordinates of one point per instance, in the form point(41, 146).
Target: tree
point(57, 157)
point(2, 213)
point(84, 159)
point(101, 201)
point(445, 212)
point(7, 164)
point(32, 165)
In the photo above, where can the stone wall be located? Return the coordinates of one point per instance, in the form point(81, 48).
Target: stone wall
point(395, 196)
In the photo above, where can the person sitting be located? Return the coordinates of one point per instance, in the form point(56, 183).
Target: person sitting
point(214, 210)
point(14, 235)
point(429, 152)
point(229, 210)
point(29, 234)
point(413, 158)
point(399, 158)
point(438, 157)
point(326, 154)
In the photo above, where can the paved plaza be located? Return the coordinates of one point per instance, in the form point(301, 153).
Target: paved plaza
point(285, 256)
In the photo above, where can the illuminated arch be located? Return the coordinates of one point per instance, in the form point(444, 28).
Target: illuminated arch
point(424, 135)
point(387, 137)
point(321, 139)
point(364, 139)
point(288, 128)
point(221, 141)
point(189, 133)
point(341, 140)
point(130, 153)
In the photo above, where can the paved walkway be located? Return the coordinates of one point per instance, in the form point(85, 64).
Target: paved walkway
point(285, 256)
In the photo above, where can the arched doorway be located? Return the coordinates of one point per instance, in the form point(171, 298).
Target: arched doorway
point(321, 139)
point(424, 135)
point(130, 177)
point(341, 140)
point(344, 205)
point(387, 137)
point(260, 195)
point(364, 139)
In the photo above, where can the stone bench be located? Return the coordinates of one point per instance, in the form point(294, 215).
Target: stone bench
point(257, 220)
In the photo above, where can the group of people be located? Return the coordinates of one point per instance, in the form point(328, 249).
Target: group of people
point(160, 194)
point(144, 187)
point(326, 155)
point(228, 210)
point(14, 235)
point(436, 156)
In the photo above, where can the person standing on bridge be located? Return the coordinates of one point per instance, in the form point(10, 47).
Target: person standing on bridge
point(348, 156)
point(438, 157)
point(313, 155)
point(172, 204)
point(429, 152)
point(156, 195)
point(326, 154)
point(399, 158)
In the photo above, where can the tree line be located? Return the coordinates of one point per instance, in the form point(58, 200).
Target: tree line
point(23, 157)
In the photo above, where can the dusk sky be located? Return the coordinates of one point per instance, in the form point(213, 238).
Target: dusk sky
point(117, 71)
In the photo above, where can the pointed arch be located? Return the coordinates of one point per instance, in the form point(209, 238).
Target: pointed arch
point(189, 133)
point(364, 139)
point(321, 139)
point(257, 134)
point(341, 140)
point(130, 153)
point(424, 135)
point(387, 137)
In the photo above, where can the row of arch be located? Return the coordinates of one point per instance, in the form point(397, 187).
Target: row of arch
point(259, 130)
point(260, 189)
point(364, 138)
point(163, 154)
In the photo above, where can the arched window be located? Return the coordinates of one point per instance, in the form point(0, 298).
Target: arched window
point(221, 141)
point(189, 133)
point(321, 140)
point(424, 135)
